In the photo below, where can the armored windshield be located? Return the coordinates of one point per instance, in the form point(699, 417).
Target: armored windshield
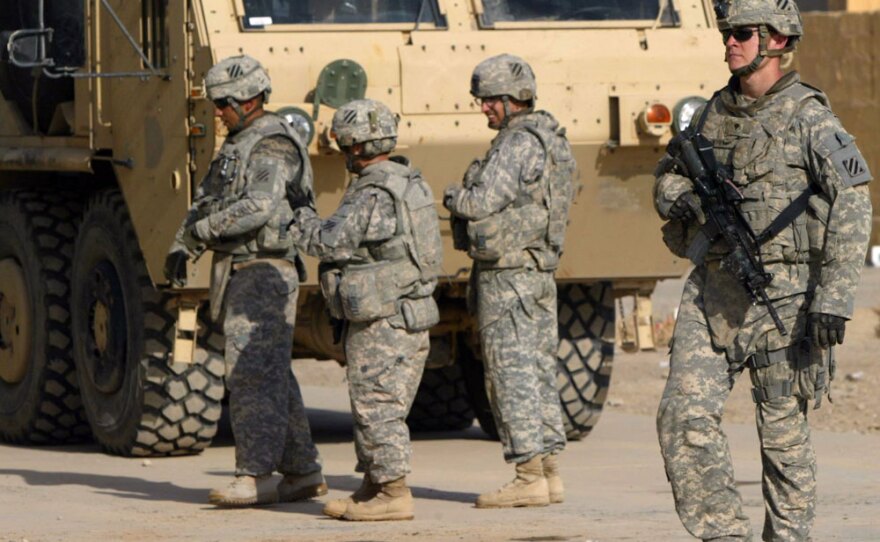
point(506, 11)
point(264, 13)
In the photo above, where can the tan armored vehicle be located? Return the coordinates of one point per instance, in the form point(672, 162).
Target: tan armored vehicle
point(105, 132)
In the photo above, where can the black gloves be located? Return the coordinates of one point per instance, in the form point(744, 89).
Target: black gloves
point(297, 197)
point(175, 268)
point(826, 330)
point(687, 207)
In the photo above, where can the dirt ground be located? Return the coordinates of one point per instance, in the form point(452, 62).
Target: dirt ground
point(638, 379)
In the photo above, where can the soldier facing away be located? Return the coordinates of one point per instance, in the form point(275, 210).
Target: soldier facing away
point(241, 212)
point(380, 256)
point(801, 178)
point(510, 215)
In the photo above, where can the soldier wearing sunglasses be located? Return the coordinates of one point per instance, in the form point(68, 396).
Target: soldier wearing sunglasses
point(801, 176)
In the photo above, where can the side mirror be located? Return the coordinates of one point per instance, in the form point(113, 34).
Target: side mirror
point(27, 48)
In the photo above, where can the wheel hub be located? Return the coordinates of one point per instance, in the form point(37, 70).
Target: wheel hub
point(107, 328)
point(15, 322)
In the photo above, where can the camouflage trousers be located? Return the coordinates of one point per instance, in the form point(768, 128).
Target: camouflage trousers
point(384, 365)
point(696, 452)
point(266, 408)
point(519, 339)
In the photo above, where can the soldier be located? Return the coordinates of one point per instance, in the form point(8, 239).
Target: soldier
point(801, 177)
point(240, 212)
point(380, 255)
point(510, 215)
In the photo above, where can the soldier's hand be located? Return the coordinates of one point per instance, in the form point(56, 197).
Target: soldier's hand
point(297, 198)
point(687, 207)
point(175, 268)
point(826, 330)
point(191, 240)
point(449, 195)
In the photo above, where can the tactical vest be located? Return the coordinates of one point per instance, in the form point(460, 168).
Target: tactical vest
point(399, 274)
point(770, 170)
point(532, 228)
point(226, 183)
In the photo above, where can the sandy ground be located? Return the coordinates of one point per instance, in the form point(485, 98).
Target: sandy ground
point(616, 489)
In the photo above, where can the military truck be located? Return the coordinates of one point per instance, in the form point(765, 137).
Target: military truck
point(105, 132)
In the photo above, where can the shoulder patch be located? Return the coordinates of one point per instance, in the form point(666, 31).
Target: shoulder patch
point(841, 150)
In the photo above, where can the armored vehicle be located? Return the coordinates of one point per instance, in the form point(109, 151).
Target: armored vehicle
point(105, 132)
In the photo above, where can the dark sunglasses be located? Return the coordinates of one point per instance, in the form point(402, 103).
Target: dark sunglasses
point(741, 34)
point(221, 103)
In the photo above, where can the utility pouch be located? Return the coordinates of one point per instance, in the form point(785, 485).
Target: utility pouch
point(486, 238)
point(330, 280)
point(420, 314)
point(361, 296)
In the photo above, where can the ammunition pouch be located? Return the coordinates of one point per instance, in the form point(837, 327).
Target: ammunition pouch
point(501, 238)
point(420, 314)
point(371, 291)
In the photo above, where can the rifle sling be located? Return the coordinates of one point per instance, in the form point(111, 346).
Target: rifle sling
point(787, 216)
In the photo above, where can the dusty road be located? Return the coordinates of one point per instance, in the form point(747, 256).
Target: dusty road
point(616, 489)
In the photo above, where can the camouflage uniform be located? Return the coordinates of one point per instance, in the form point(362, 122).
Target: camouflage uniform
point(240, 213)
point(777, 146)
point(515, 297)
point(384, 360)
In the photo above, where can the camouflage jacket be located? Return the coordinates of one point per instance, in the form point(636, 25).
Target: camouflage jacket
point(241, 206)
point(508, 181)
point(776, 147)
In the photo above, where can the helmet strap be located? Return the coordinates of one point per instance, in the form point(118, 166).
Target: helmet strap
point(763, 40)
point(242, 116)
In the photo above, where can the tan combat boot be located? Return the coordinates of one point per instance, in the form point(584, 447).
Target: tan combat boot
point(554, 481)
point(245, 491)
point(336, 508)
point(392, 501)
point(529, 488)
point(298, 487)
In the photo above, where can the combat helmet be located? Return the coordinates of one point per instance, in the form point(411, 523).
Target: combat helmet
point(504, 75)
point(368, 122)
point(782, 16)
point(237, 79)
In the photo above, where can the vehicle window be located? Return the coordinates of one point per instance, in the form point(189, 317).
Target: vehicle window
point(261, 13)
point(568, 10)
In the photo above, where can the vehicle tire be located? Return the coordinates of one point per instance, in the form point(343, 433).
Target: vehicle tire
point(584, 360)
point(441, 403)
point(586, 354)
point(39, 399)
point(138, 401)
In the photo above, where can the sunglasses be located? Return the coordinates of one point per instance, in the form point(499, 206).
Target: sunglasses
point(741, 34)
point(221, 103)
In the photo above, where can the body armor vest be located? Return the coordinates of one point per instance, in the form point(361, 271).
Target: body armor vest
point(226, 183)
point(770, 170)
point(532, 228)
point(399, 274)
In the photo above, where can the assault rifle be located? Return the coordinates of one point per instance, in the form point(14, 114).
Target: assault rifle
point(720, 200)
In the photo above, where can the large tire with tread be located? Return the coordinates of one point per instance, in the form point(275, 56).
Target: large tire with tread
point(39, 399)
point(584, 360)
point(586, 354)
point(441, 403)
point(137, 401)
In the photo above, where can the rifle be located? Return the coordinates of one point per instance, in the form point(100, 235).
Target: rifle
point(720, 200)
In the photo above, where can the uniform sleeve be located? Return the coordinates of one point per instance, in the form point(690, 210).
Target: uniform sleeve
point(841, 173)
point(367, 217)
point(272, 162)
point(667, 188)
point(520, 158)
